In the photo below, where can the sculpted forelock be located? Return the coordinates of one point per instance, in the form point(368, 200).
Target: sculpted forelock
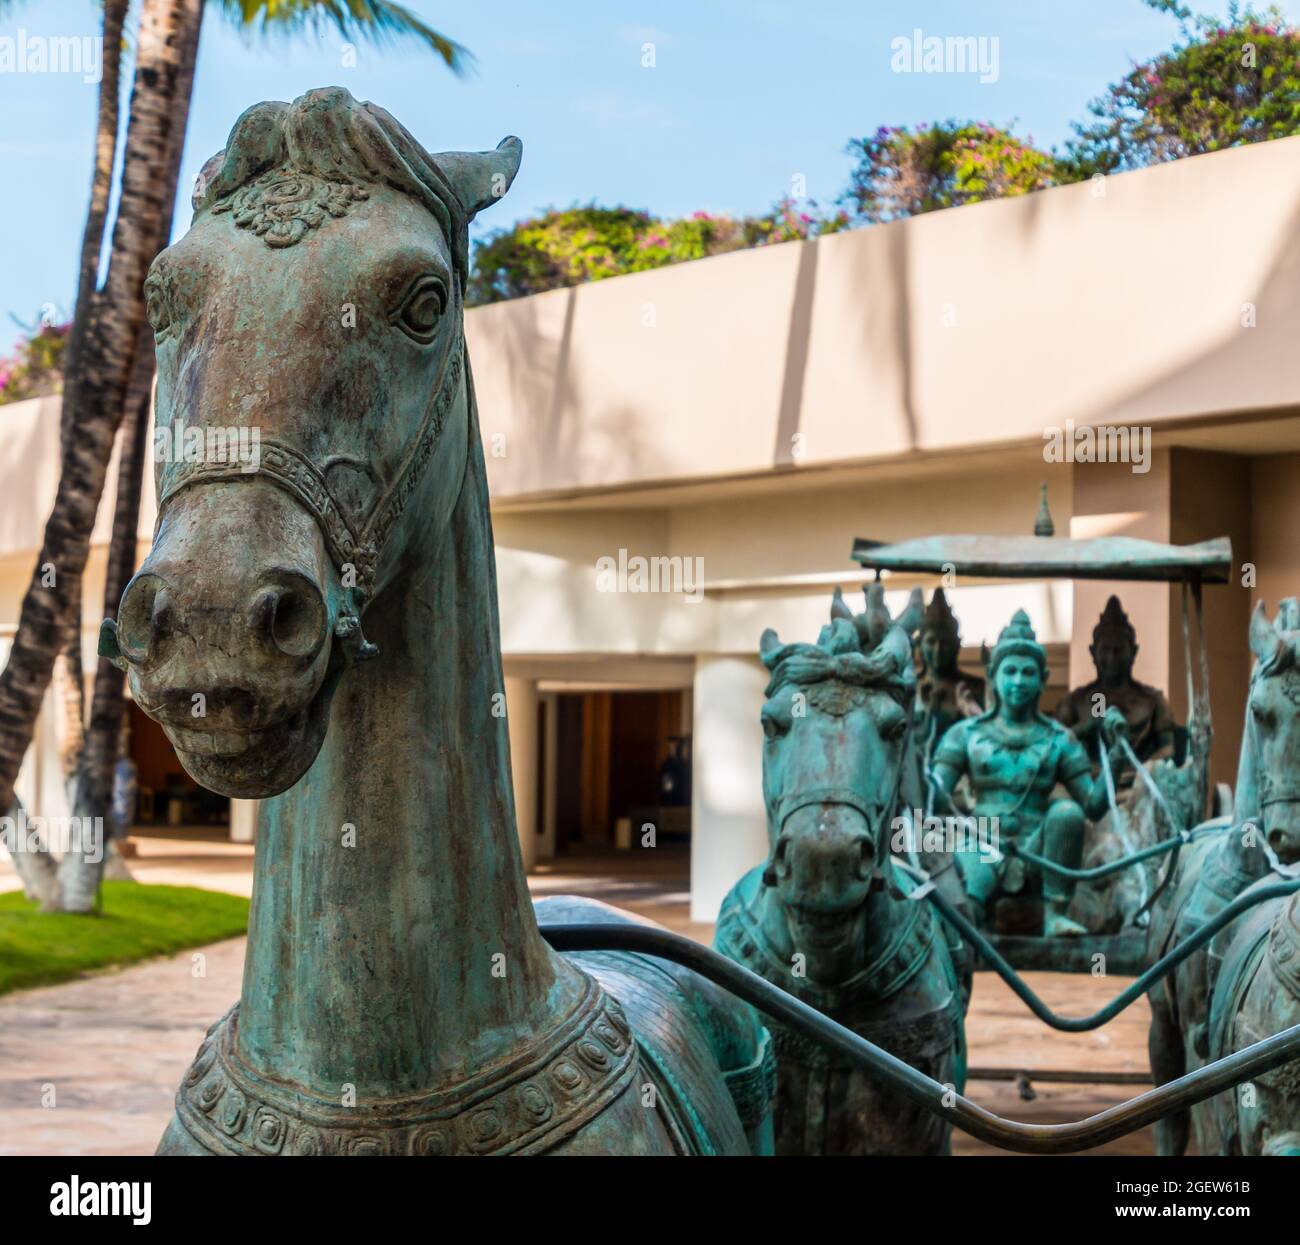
point(289, 168)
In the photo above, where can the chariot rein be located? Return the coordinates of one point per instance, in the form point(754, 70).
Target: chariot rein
point(943, 1100)
point(1127, 1117)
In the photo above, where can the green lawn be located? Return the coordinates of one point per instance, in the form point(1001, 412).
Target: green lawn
point(39, 948)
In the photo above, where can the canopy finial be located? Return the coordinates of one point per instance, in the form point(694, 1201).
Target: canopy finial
point(1043, 525)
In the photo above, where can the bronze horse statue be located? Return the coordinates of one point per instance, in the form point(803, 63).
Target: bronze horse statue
point(398, 997)
point(1246, 982)
point(828, 916)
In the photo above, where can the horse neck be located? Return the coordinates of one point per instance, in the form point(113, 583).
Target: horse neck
point(374, 964)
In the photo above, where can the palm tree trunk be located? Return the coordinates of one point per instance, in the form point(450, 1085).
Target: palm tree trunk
point(105, 355)
point(92, 242)
point(36, 869)
point(101, 185)
point(81, 872)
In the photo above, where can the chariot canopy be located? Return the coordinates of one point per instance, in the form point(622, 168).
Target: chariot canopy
point(1052, 557)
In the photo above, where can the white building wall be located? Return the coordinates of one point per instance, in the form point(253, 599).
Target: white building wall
point(728, 819)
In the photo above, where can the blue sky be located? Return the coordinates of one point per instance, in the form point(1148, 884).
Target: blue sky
point(743, 96)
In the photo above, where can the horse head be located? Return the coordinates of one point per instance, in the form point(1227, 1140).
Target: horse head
point(836, 719)
point(314, 424)
point(1273, 721)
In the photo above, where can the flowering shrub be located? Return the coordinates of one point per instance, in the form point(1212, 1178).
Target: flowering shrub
point(36, 367)
point(564, 247)
point(1222, 85)
point(904, 171)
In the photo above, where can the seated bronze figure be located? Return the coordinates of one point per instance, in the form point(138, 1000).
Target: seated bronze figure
point(1150, 720)
point(1013, 757)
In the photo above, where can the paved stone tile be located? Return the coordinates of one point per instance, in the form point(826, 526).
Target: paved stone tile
point(115, 1046)
point(112, 1048)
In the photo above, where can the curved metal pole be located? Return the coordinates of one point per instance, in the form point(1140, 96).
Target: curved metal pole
point(1114, 866)
point(1161, 968)
point(939, 1099)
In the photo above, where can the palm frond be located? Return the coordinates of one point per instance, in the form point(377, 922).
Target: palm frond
point(378, 21)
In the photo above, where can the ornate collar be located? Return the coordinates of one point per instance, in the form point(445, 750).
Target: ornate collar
point(525, 1105)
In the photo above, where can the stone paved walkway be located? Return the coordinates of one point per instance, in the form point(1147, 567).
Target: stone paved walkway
point(114, 1046)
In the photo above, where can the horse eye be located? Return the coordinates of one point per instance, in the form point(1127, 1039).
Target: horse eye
point(422, 308)
point(773, 727)
point(893, 727)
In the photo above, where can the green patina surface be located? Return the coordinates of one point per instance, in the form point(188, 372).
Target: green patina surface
point(398, 997)
point(827, 917)
point(1246, 984)
point(1014, 757)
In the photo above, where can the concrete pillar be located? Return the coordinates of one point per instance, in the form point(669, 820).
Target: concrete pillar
point(243, 821)
point(728, 820)
point(521, 720)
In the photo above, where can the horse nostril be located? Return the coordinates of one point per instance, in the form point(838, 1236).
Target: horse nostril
point(292, 616)
point(143, 617)
point(866, 858)
point(777, 867)
point(1283, 844)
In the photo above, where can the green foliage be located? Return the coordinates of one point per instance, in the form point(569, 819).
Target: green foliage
point(39, 948)
point(379, 21)
point(569, 246)
point(1221, 85)
point(36, 367)
point(903, 171)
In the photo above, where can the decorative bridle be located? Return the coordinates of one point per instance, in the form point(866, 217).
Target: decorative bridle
point(354, 548)
point(1270, 788)
point(804, 664)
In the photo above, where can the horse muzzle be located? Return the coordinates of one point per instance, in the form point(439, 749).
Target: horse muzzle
point(226, 633)
point(1282, 830)
point(824, 863)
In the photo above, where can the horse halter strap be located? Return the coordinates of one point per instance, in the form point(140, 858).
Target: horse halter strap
point(1269, 789)
point(354, 548)
point(874, 816)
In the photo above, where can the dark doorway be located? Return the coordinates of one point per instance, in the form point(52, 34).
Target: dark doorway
point(612, 749)
point(166, 794)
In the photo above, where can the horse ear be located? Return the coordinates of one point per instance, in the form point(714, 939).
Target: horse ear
point(1264, 640)
point(482, 177)
point(913, 613)
point(838, 608)
point(877, 615)
point(768, 642)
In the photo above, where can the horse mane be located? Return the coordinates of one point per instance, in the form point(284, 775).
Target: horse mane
point(346, 144)
point(865, 650)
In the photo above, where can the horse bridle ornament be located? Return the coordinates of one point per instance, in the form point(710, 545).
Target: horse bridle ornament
point(354, 548)
point(874, 816)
